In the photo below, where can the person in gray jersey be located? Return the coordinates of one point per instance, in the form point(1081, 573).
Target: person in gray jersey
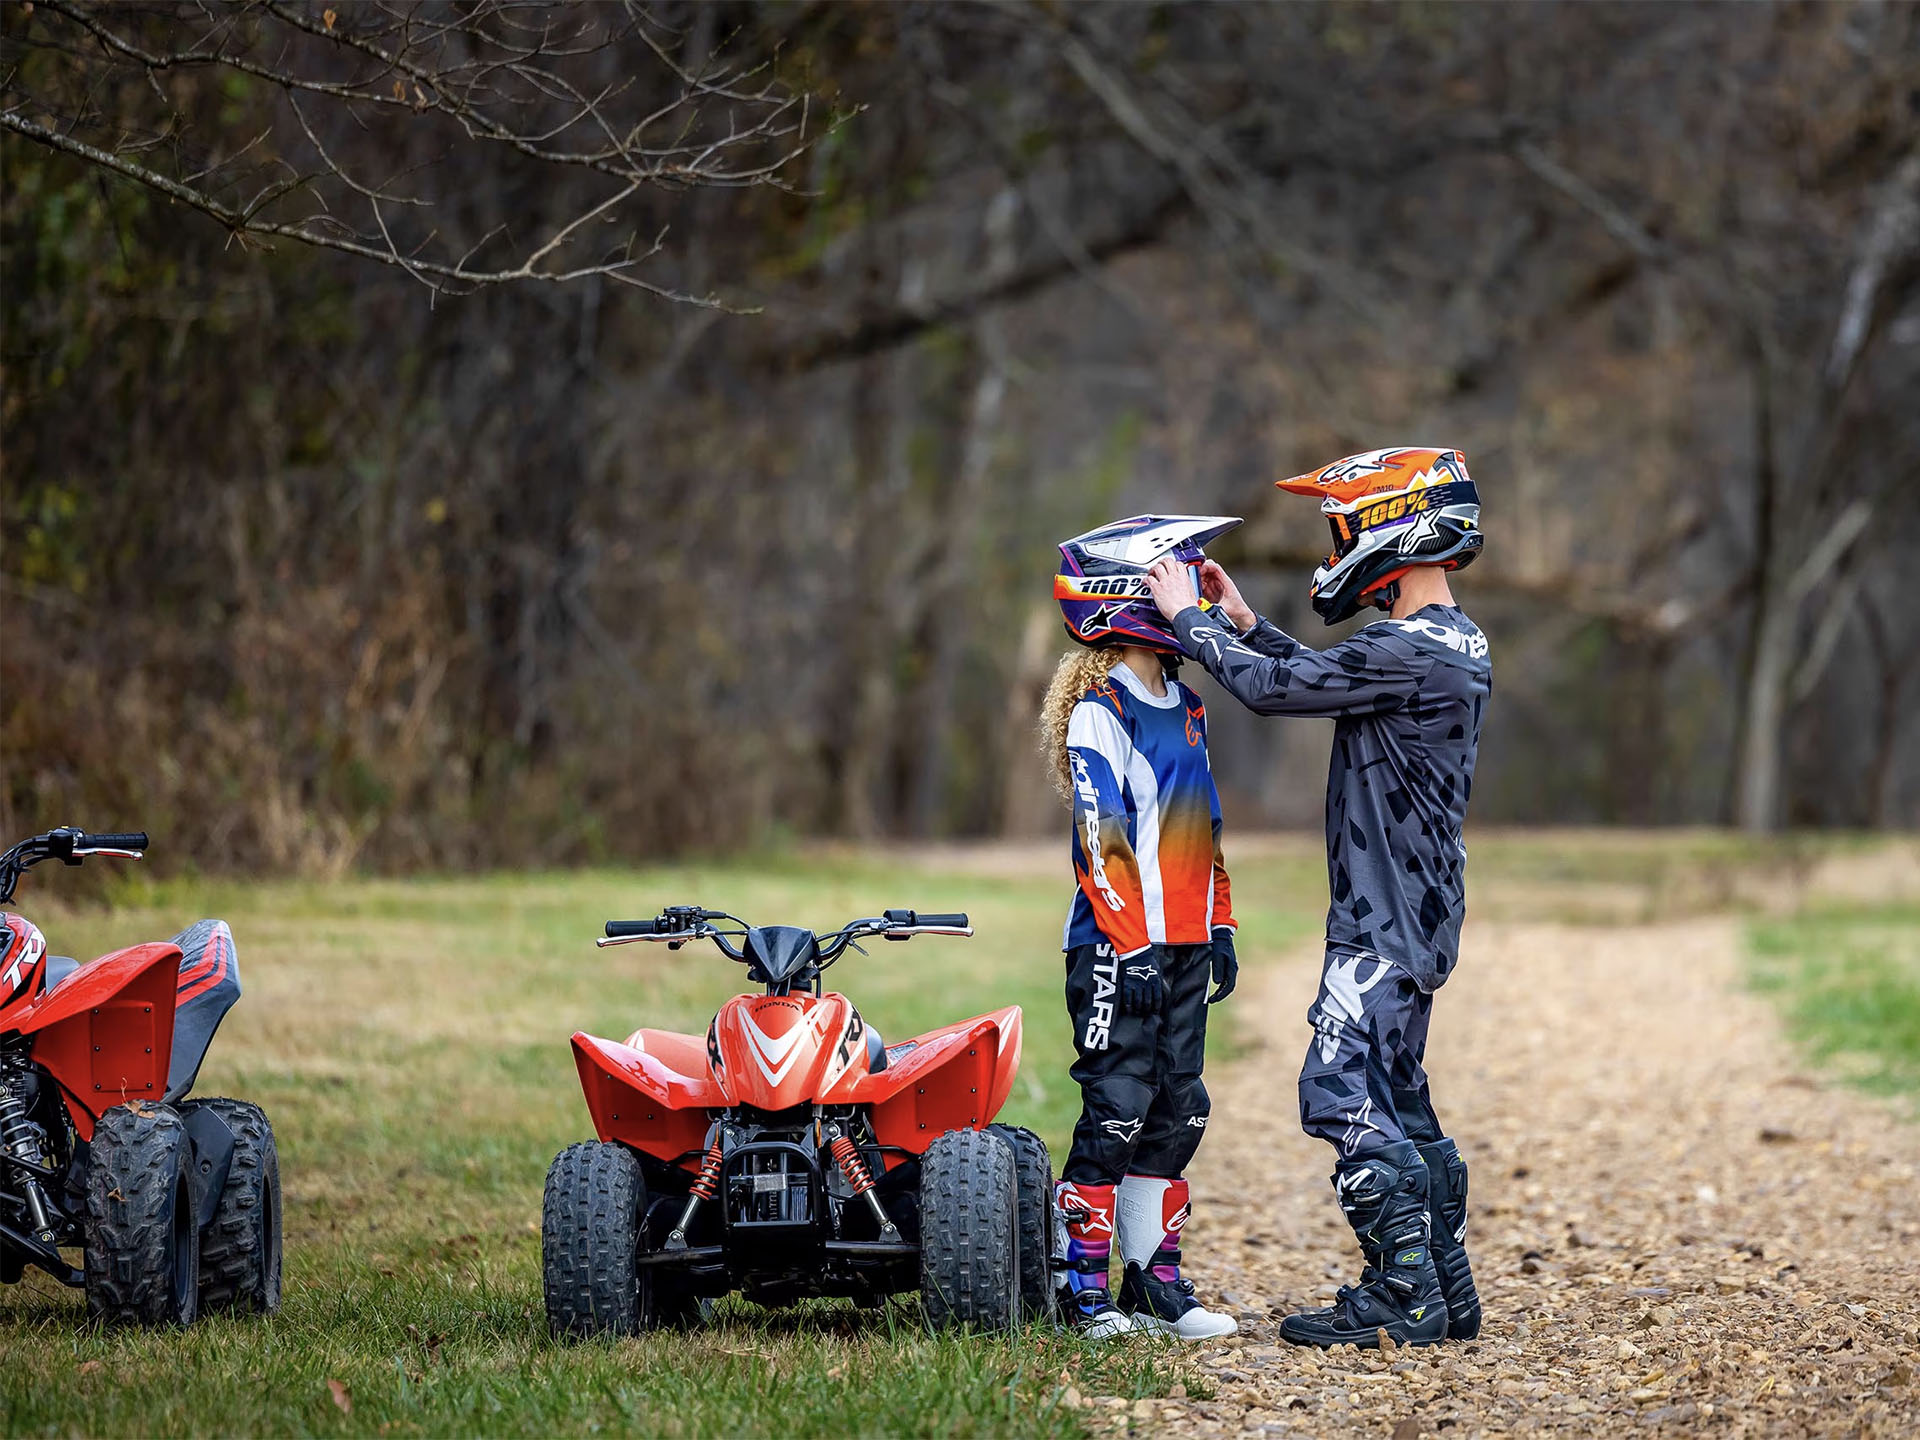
point(1407, 695)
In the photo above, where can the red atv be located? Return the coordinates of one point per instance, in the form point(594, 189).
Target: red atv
point(791, 1152)
point(176, 1203)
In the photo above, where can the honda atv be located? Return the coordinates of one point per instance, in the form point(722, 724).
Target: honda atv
point(791, 1152)
point(174, 1202)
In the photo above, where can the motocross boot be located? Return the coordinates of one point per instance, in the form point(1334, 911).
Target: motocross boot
point(1384, 1196)
point(1447, 1210)
point(1083, 1249)
point(1149, 1214)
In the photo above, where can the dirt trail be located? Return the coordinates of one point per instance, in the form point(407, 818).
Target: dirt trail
point(1674, 1228)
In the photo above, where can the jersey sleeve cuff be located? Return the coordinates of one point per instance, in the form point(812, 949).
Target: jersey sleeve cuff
point(1194, 618)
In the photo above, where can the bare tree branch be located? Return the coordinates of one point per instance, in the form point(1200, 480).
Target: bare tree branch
point(564, 92)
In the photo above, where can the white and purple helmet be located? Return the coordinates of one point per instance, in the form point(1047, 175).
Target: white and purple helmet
point(1102, 584)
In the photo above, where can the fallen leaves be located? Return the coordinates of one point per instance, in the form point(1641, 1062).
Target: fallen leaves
point(342, 1396)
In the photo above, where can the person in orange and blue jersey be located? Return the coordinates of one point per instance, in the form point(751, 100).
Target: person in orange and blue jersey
point(1150, 926)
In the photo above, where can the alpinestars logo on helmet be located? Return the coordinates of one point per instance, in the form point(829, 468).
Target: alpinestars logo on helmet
point(1102, 586)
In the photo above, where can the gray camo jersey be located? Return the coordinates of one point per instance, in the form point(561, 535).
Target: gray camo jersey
point(1407, 697)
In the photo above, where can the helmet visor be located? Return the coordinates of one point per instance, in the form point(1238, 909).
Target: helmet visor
point(1345, 536)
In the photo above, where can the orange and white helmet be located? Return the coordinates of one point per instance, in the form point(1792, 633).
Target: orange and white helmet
point(1390, 510)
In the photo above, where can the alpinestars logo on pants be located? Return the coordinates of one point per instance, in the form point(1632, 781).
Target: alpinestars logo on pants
point(1106, 973)
point(1125, 1131)
point(1344, 1004)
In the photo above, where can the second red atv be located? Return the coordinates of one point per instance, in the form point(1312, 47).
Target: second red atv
point(174, 1203)
point(791, 1152)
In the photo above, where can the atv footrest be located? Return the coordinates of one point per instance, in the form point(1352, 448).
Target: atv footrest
point(44, 1256)
point(872, 1249)
point(690, 1255)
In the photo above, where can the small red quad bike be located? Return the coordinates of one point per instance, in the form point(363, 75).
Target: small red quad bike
point(791, 1152)
point(175, 1202)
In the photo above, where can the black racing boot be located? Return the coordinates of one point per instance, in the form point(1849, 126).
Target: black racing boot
point(1447, 1209)
point(1384, 1196)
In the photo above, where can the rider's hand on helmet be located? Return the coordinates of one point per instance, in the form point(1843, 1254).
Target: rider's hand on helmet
point(1171, 585)
point(1217, 587)
point(1143, 989)
point(1226, 966)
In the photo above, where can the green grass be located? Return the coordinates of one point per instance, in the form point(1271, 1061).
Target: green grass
point(409, 1040)
point(1848, 981)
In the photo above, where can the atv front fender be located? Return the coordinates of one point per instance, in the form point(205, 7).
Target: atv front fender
point(955, 1078)
point(637, 1100)
point(106, 1034)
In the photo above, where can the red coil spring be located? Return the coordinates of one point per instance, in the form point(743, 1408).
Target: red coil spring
point(709, 1178)
point(856, 1170)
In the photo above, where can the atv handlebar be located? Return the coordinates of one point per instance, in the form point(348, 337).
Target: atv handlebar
point(70, 846)
point(111, 840)
point(678, 924)
point(915, 920)
point(632, 929)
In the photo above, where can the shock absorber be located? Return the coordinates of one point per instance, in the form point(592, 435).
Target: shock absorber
point(847, 1155)
point(705, 1185)
point(20, 1138)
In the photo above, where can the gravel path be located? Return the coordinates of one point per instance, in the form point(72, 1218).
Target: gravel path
point(1674, 1228)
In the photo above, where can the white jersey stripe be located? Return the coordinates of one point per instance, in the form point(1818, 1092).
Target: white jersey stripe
point(1146, 843)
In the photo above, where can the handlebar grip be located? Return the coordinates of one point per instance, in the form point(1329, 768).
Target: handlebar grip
point(619, 929)
point(945, 922)
point(114, 840)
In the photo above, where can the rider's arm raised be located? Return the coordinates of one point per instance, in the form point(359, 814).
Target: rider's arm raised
point(1371, 671)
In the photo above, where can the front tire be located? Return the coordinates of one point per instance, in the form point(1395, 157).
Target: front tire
point(969, 1232)
point(142, 1230)
point(1033, 1177)
point(592, 1235)
point(590, 1240)
point(240, 1252)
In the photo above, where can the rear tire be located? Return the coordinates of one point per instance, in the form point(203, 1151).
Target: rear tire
point(240, 1253)
point(1033, 1176)
point(142, 1230)
point(969, 1240)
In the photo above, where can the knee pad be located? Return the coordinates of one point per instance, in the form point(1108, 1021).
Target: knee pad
point(1176, 1131)
point(1417, 1119)
point(1113, 1114)
point(1191, 1103)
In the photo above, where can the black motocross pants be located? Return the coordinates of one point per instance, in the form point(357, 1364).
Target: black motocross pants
point(1143, 1105)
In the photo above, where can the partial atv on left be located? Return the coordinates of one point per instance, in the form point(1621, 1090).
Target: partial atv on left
point(174, 1203)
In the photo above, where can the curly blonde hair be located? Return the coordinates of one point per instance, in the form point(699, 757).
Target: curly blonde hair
point(1078, 672)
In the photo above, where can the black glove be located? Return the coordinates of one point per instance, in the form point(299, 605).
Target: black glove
point(1226, 966)
point(1143, 990)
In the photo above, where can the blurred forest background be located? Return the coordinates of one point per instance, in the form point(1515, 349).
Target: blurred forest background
point(513, 433)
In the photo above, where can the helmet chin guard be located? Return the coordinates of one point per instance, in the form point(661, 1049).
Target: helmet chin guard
point(1102, 584)
point(1389, 511)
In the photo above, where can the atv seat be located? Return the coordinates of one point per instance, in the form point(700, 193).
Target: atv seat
point(59, 967)
point(876, 1052)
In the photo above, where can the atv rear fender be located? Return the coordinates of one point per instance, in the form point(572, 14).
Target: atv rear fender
point(952, 1079)
point(638, 1100)
point(106, 1034)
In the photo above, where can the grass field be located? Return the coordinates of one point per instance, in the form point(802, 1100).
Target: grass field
point(409, 1039)
point(1848, 981)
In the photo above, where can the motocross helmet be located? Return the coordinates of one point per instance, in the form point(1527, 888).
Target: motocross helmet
point(1102, 584)
point(1390, 510)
